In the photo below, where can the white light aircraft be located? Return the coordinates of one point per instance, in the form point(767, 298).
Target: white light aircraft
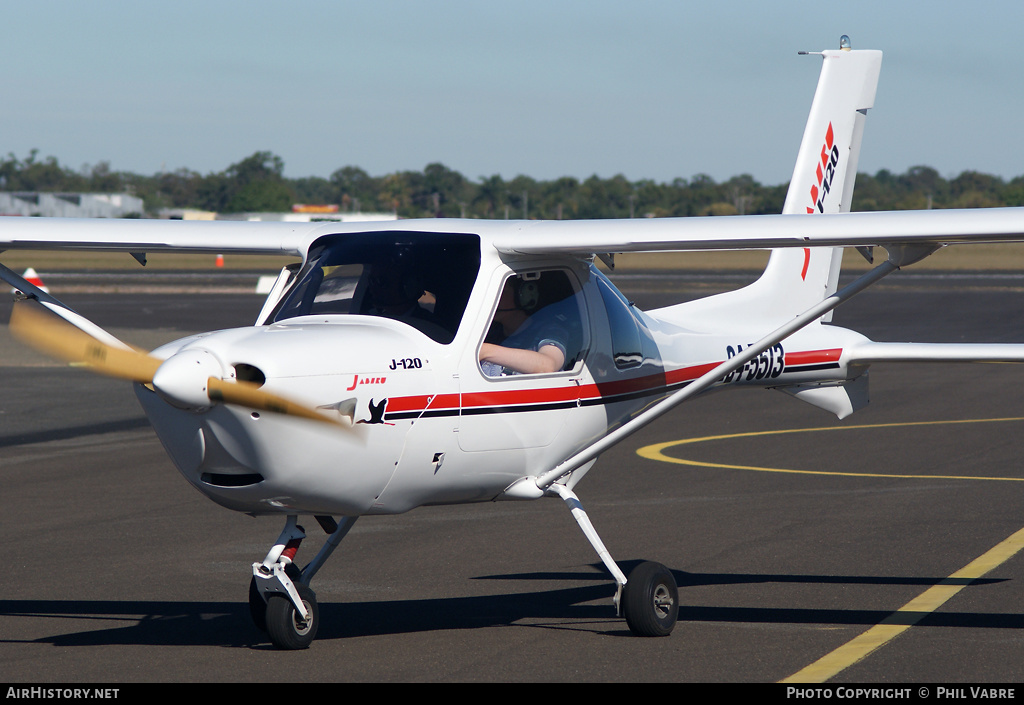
point(417, 362)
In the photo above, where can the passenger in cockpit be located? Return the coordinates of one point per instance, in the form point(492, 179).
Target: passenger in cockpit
point(396, 292)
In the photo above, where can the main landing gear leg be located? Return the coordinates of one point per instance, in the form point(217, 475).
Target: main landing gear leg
point(649, 598)
point(280, 600)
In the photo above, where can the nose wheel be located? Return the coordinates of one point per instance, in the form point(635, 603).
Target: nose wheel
point(258, 603)
point(286, 626)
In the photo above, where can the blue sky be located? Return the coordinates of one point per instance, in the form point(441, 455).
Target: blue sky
point(649, 89)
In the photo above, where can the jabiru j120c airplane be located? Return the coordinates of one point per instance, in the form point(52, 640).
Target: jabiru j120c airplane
point(437, 362)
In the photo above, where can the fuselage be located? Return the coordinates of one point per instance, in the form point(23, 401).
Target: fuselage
point(428, 424)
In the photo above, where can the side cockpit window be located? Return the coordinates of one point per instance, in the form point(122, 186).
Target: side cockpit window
point(627, 349)
point(421, 279)
point(537, 327)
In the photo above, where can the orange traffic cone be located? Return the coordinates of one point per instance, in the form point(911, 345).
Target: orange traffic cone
point(32, 277)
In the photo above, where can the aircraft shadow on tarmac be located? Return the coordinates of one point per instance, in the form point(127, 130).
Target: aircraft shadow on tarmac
point(62, 434)
point(228, 623)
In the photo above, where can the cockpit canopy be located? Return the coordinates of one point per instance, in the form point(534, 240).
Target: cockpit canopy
point(422, 279)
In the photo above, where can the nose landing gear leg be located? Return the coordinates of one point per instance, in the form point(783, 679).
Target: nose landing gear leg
point(280, 600)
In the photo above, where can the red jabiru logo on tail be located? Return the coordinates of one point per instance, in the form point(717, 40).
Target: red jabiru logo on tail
point(825, 172)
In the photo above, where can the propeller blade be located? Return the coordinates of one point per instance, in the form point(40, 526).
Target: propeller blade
point(250, 395)
point(57, 338)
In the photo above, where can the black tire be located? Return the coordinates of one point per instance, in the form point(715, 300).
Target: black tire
point(257, 607)
point(286, 628)
point(650, 600)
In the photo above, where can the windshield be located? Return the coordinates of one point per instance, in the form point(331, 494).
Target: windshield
point(421, 279)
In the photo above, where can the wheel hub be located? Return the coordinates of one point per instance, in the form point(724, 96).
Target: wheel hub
point(663, 601)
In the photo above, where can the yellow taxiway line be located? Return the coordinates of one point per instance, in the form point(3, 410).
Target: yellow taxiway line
point(656, 451)
point(911, 613)
point(907, 616)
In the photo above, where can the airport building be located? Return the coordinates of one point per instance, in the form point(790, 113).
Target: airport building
point(357, 217)
point(122, 205)
point(303, 213)
point(71, 205)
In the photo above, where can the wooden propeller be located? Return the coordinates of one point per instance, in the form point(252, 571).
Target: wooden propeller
point(59, 339)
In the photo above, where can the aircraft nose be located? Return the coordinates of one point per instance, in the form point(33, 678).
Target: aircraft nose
point(183, 379)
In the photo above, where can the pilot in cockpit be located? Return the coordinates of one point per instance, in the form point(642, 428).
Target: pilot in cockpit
point(526, 337)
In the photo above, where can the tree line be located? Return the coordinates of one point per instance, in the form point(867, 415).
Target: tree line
point(257, 183)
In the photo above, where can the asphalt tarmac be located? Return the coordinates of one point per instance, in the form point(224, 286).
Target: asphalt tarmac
point(116, 571)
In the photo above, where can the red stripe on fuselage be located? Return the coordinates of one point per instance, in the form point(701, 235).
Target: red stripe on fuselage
point(654, 383)
point(813, 357)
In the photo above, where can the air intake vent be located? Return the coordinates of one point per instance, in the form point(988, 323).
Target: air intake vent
point(225, 480)
point(249, 373)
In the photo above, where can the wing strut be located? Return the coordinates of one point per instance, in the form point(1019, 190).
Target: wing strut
point(59, 308)
point(898, 257)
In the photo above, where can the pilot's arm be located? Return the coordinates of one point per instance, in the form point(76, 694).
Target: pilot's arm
point(548, 358)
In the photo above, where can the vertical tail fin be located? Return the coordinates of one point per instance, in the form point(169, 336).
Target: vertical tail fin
point(823, 179)
point(824, 175)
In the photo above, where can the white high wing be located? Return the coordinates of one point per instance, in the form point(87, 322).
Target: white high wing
point(440, 361)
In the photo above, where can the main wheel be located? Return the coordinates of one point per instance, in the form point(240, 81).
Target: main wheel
point(286, 627)
point(650, 600)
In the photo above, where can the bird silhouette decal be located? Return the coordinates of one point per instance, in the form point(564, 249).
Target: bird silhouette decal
point(377, 412)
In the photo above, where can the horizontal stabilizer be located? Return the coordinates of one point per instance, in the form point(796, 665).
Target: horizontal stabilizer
point(871, 352)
